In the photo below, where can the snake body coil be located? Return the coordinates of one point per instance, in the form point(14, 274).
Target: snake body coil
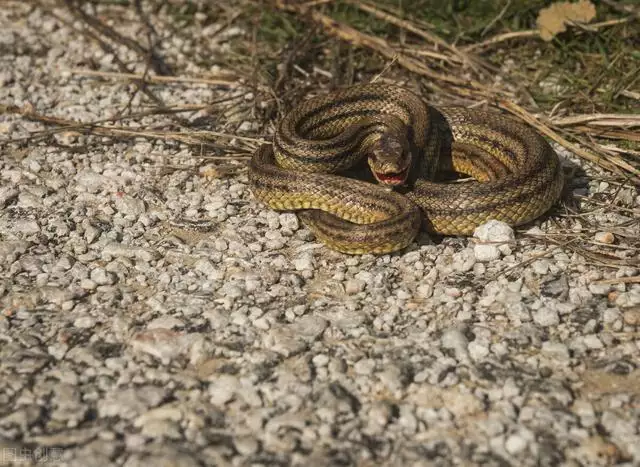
point(405, 144)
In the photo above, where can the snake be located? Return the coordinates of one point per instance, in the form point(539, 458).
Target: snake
point(367, 167)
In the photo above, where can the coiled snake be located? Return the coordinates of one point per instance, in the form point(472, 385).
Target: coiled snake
point(405, 144)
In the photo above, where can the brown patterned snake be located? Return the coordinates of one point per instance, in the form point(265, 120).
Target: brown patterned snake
point(517, 174)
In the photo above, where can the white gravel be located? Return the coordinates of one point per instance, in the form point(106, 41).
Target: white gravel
point(155, 313)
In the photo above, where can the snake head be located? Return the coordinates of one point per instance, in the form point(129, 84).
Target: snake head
point(390, 160)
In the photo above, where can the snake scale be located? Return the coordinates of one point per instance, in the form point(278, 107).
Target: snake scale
point(390, 135)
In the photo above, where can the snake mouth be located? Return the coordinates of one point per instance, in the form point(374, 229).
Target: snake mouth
point(392, 178)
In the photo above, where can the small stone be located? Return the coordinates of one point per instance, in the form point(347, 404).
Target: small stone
point(518, 312)
point(454, 339)
point(102, 277)
point(628, 299)
point(556, 288)
point(631, 316)
point(486, 253)
point(541, 266)
point(452, 292)
point(477, 351)
point(283, 340)
point(129, 205)
point(58, 350)
point(555, 350)
point(546, 317)
point(246, 445)
point(424, 290)
point(216, 204)
point(309, 327)
point(57, 295)
point(165, 412)
point(354, 286)
point(7, 195)
point(379, 416)
point(88, 284)
point(273, 220)
point(604, 237)
point(592, 342)
point(364, 366)
point(586, 412)
point(320, 360)
point(164, 344)
point(599, 288)
point(165, 322)
point(407, 420)
point(29, 200)
point(411, 257)
point(610, 315)
point(6, 128)
point(303, 262)
point(223, 388)
point(464, 261)
point(91, 181)
point(129, 403)
point(515, 444)
point(26, 226)
point(85, 322)
point(205, 266)
point(261, 323)
point(494, 232)
point(11, 250)
point(91, 234)
point(289, 221)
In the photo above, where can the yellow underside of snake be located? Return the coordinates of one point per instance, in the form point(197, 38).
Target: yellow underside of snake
point(387, 134)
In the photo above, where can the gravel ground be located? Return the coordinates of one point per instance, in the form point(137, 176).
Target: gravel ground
point(154, 312)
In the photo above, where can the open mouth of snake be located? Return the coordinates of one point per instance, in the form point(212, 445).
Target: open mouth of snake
point(395, 178)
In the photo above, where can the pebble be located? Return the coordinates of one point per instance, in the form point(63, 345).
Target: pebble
point(454, 339)
point(354, 286)
point(477, 351)
point(7, 195)
point(320, 360)
point(364, 366)
point(465, 260)
point(289, 221)
point(632, 316)
point(604, 237)
point(102, 277)
point(486, 253)
point(411, 257)
point(546, 317)
point(246, 445)
point(518, 312)
point(129, 403)
point(495, 240)
point(165, 322)
point(26, 226)
point(592, 342)
point(129, 205)
point(515, 444)
point(303, 262)
point(555, 350)
point(88, 284)
point(85, 322)
point(27, 200)
point(628, 299)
